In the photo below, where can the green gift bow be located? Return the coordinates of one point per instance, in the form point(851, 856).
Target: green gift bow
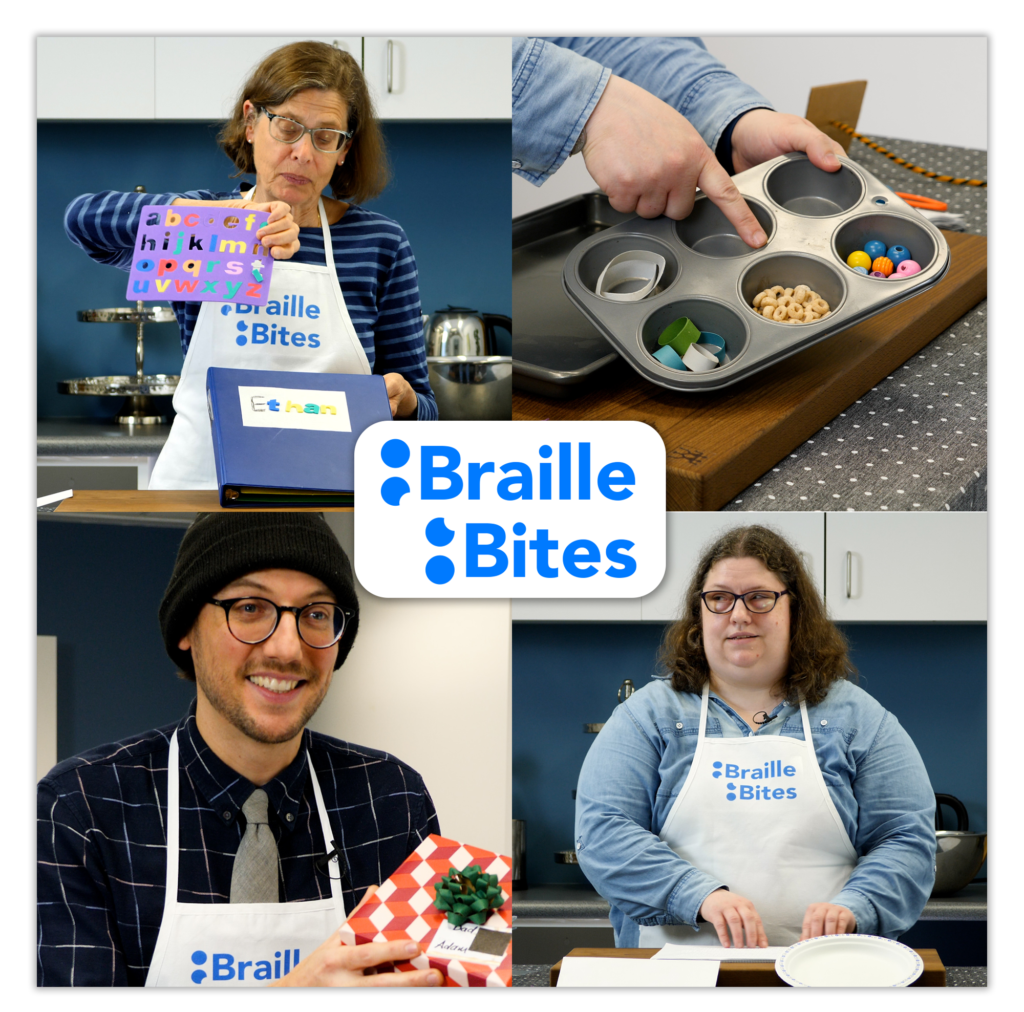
point(468, 895)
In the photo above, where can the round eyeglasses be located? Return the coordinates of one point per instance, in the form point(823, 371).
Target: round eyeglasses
point(757, 602)
point(290, 131)
point(254, 619)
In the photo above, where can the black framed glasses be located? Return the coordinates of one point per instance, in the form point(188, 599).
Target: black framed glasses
point(290, 131)
point(255, 619)
point(757, 602)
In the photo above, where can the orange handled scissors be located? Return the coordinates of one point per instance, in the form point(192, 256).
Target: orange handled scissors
point(925, 203)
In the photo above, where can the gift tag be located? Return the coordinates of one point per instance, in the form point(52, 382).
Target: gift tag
point(473, 942)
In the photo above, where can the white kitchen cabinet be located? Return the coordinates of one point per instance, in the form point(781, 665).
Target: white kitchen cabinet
point(94, 77)
point(200, 78)
point(907, 567)
point(687, 534)
point(562, 609)
point(430, 78)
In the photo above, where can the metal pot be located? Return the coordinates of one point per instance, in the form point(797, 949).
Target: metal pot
point(959, 854)
point(460, 331)
point(471, 388)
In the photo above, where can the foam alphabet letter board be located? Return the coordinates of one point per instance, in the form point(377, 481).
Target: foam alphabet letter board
point(196, 253)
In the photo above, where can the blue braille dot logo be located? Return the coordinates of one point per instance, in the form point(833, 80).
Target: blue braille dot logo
point(241, 339)
point(224, 310)
point(440, 569)
point(718, 770)
point(438, 534)
point(730, 797)
point(198, 957)
point(393, 489)
point(394, 453)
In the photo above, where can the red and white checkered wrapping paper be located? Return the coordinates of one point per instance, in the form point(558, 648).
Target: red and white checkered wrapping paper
point(403, 907)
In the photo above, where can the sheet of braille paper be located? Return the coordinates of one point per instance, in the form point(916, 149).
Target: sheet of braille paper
point(596, 971)
point(918, 439)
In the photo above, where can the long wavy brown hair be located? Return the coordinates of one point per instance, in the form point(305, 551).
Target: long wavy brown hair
point(818, 651)
point(298, 67)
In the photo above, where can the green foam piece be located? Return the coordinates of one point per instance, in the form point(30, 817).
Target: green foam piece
point(679, 335)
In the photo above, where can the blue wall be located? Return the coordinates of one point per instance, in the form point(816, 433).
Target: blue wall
point(932, 677)
point(99, 588)
point(450, 192)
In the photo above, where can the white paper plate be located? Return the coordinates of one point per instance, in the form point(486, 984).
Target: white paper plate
point(849, 961)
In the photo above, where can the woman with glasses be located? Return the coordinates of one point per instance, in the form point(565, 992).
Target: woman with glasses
point(752, 795)
point(344, 285)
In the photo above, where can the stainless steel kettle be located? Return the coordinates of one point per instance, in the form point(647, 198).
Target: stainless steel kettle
point(460, 331)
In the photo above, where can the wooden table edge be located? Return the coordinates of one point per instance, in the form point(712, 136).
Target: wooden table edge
point(934, 974)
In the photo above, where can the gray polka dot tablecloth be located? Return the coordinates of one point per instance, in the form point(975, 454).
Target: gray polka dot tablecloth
point(917, 440)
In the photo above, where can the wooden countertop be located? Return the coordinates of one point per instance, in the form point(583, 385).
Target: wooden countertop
point(718, 444)
point(126, 501)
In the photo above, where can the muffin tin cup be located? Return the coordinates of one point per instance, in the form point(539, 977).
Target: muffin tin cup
point(708, 232)
point(893, 230)
point(808, 244)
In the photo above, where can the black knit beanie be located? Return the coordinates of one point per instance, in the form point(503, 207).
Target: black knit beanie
point(221, 547)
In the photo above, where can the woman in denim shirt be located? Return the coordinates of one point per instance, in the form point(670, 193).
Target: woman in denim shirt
point(753, 795)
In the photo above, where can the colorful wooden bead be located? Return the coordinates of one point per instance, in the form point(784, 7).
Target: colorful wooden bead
point(884, 265)
point(861, 270)
point(908, 267)
point(874, 248)
point(858, 259)
point(877, 274)
point(897, 254)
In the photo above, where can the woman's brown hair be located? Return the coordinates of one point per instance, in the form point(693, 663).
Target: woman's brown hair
point(818, 651)
point(298, 67)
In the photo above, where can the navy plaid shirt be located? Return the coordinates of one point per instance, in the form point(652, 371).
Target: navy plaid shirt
point(102, 842)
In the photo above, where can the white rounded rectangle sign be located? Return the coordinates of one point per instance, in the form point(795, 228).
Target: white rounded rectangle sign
point(510, 509)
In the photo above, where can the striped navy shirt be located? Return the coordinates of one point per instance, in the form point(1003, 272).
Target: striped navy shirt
point(375, 265)
point(102, 842)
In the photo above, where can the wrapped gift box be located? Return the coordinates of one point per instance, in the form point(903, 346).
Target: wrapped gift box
point(403, 908)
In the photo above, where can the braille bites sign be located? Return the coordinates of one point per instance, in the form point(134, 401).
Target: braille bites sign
point(189, 253)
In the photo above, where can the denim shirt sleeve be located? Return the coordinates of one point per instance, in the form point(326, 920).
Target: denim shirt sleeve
point(556, 82)
point(554, 91)
point(616, 840)
point(894, 833)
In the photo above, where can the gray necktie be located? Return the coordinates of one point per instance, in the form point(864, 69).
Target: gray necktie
point(254, 875)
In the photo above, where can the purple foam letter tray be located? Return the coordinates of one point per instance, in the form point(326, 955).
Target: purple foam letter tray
point(194, 253)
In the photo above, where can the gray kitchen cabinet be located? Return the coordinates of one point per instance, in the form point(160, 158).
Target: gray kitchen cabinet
point(907, 567)
point(95, 77)
point(428, 78)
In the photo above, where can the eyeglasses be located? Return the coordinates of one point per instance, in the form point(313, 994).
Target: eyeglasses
point(757, 602)
point(254, 619)
point(290, 131)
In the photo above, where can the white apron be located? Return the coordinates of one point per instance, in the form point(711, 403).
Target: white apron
point(235, 336)
point(237, 944)
point(755, 813)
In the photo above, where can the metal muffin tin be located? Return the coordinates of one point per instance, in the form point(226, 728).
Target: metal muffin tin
point(813, 220)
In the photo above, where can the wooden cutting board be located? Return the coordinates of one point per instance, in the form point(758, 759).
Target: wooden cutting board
point(165, 501)
point(758, 974)
point(717, 444)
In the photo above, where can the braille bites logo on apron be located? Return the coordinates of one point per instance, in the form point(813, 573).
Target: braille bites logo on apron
point(774, 780)
point(225, 966)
